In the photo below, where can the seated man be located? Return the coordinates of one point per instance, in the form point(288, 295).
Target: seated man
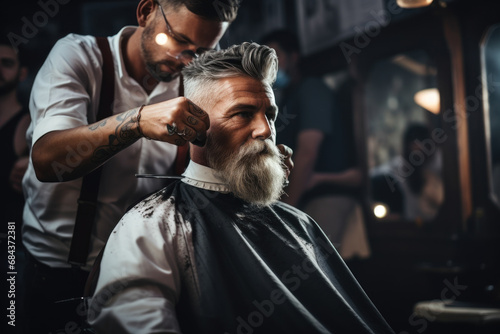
point(217, 252)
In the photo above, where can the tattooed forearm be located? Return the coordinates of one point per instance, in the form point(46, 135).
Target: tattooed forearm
point(94, 127)
point(125, 134)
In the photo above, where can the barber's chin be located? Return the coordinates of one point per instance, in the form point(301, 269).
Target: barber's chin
point(163, 72)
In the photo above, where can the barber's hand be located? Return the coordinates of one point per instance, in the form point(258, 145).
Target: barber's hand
point(175, 121)
point(287, 152)
point(17, 173)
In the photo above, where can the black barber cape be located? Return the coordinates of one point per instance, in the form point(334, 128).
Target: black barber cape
point(257, 270)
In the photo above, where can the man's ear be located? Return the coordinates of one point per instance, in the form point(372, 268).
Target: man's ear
point(145, 10)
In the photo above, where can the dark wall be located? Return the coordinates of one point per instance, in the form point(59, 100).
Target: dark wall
point(35, 26)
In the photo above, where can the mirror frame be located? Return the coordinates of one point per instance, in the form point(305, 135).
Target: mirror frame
point(449, 220)
point(494, 197)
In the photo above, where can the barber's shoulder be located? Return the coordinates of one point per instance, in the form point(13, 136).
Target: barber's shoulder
point(76, 41)
point(75, 51)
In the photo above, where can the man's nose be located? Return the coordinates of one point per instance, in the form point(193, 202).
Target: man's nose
point(262, 129)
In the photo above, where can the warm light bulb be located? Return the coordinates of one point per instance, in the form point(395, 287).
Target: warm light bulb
point(161, 38)
point(413, 3)
point(429, 100)
point(380, 211)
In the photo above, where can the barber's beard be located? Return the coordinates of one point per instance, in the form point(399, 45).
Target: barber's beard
point(255, 174)
point(154, 67)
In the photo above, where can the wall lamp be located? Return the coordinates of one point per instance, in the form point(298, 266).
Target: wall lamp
point(413, 3)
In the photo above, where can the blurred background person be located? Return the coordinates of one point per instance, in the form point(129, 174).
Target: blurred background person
point(14, 121)
point(325, 179)
point(410, 184)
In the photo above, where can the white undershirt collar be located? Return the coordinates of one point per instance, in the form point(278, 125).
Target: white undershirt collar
point(203, 177)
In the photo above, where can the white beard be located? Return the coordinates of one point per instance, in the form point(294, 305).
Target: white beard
point(255, 174)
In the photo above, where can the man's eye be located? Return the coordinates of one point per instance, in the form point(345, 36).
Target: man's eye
point(245, 114)
point(180, 41)
point(8, 63)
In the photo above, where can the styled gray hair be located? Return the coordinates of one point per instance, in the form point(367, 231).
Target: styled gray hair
point(248, 59)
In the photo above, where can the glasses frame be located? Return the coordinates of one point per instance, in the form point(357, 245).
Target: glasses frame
point(186, 55)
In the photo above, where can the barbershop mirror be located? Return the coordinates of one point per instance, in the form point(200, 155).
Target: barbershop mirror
point(491, 93)
point(403, 138)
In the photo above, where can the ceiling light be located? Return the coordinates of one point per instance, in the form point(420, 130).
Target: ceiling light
point(380, 211)
point(413, 3)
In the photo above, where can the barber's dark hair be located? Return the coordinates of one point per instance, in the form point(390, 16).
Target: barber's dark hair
point(248, 59)
point(285, 38)
point(21, 53)
point(217, 10)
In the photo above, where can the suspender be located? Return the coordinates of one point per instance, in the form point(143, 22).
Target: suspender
point(87, 203)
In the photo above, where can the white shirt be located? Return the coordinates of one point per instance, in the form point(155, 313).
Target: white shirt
point(65, 92)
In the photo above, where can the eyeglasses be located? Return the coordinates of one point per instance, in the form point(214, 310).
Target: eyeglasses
point(186, 55)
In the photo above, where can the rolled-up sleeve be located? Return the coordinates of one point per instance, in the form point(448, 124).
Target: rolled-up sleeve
point(64, 90)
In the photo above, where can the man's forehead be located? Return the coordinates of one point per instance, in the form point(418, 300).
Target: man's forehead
point(243, 87)
point(7, 52)
point(221, 95)
point(195, 29)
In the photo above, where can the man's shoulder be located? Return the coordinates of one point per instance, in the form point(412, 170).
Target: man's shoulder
point(156, 201)
point(155, 213)
point(287, 209)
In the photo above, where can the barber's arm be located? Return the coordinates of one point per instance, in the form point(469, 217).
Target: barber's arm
point(68, 154)
point(65, 145)
point(351, 178)
point(305, 157)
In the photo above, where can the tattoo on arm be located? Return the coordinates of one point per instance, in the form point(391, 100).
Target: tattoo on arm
point(125, 134)
point(94, 127)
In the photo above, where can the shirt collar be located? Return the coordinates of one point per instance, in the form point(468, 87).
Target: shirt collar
point(203, 177)
point(116, 47)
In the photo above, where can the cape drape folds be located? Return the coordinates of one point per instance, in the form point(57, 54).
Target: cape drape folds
point(264, 270)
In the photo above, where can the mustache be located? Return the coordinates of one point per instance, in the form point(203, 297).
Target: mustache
point(261, 147)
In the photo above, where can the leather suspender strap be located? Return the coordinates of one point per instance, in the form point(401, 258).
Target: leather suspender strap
point(87, 203)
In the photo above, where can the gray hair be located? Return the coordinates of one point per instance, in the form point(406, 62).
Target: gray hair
point(247, 59)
